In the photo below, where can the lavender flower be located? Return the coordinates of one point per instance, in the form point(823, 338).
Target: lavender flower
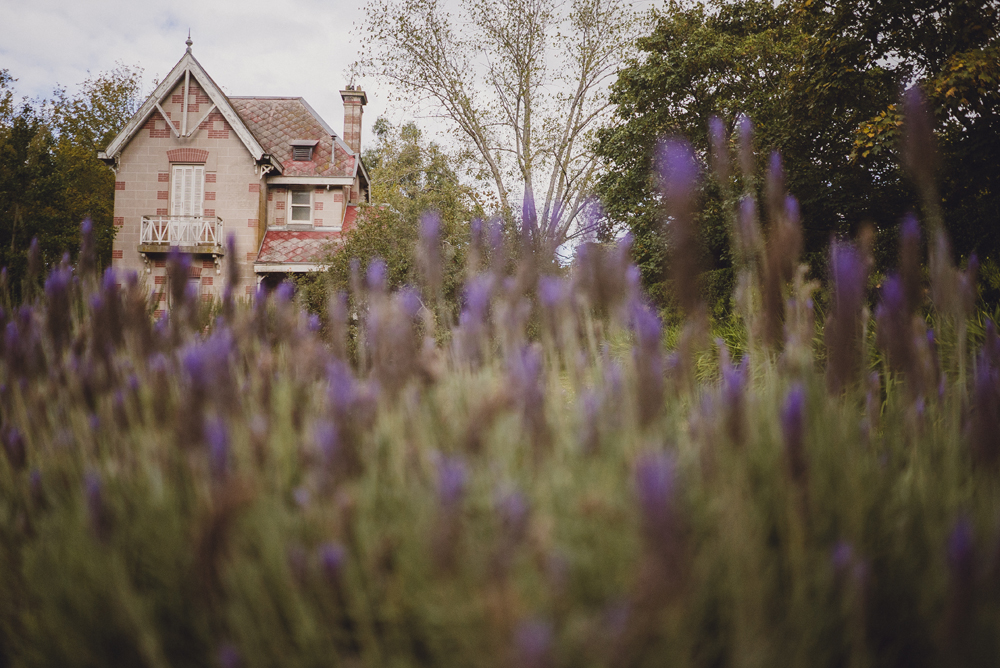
point(58, 317)
point(512, 509)
point(734, 380)
point(648, 360)
point(14, 448)
point(217, 438)
point(841, 558)
point(452, 477)
point(655, 481)
point(845, 322)
point(524, 373)
point(284, 292)
point(375, 277)
point(793, 430)
point(984, 438)
point(327, 440)
point(553, 292)
point(678, 171)
point(533, 644)
point(229, 656)
point(332, 557)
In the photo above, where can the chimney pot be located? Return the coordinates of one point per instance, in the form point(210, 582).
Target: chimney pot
point(354, 102)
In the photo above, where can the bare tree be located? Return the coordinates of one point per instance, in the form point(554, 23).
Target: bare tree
point(525, 82)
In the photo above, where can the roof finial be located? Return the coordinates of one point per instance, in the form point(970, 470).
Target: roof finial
point(188, 41)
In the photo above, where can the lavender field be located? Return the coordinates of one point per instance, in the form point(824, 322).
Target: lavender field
point(533, 479)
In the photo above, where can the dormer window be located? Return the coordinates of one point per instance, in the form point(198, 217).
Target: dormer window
point(302, 149)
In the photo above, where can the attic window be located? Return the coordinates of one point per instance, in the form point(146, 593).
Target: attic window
point(302, 149)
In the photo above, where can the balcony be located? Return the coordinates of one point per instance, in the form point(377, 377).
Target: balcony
point(190, 234)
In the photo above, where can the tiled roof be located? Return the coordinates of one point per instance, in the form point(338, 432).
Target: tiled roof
point(281, 246)
point(278, 121)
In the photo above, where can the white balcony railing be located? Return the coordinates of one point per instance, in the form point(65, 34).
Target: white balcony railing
point(181, 230)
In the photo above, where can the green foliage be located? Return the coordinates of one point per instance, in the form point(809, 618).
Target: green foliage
point(820, 82)
point(411, 178)
point(50, 177)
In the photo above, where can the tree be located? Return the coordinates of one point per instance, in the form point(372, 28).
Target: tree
point(523, 82)
point(50, 177)
point(411, 178)
point(754, 59)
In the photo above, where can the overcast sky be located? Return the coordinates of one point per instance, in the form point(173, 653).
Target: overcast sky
point(252, 47)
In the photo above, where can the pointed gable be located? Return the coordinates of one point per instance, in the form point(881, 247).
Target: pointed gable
point(187, 68)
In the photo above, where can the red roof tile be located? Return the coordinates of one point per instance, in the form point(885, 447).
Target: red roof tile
point(282, 246)
point(278, 121)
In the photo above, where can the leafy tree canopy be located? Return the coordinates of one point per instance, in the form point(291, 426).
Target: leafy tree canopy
point(50, 177)
point(411, 178)
point(820, 81)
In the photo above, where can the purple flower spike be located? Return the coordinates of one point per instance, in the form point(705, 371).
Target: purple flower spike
point(332, 557)
point(552, 291)
point(376, 275)
point(655, 482)
point(217, 438)
point(648, 328)
point(512, 508)
point(678, 170)
point(452, 477)
point(478, 293)
point(844, 328)
point(409, 301)
point(841, 558)
point(793, 430)
point(285, 292)
point(229, 656)
point(327, 441)
point(14, 448)
point(533, 644)
point(961, 551)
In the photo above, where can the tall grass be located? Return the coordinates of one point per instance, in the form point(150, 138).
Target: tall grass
point(380, 488)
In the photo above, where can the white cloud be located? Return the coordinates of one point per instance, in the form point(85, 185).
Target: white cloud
point(252, 47)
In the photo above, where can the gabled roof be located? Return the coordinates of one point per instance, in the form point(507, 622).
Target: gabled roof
point(187, 65)
point(278, 122)
point(294, 246)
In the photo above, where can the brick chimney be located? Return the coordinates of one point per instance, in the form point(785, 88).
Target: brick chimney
point(354, 101)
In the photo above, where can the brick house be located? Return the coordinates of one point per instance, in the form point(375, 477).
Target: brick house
point(194, 165)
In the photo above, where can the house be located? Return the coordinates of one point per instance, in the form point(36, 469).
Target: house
point(195, 165)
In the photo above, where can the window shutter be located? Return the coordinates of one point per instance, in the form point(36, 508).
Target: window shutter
point(188, 190)
point(198, 190)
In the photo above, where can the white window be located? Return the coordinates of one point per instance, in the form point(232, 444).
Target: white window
point(187, 190)
point(300, 202)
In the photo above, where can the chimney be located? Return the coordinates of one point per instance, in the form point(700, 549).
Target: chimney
point(354, 101)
